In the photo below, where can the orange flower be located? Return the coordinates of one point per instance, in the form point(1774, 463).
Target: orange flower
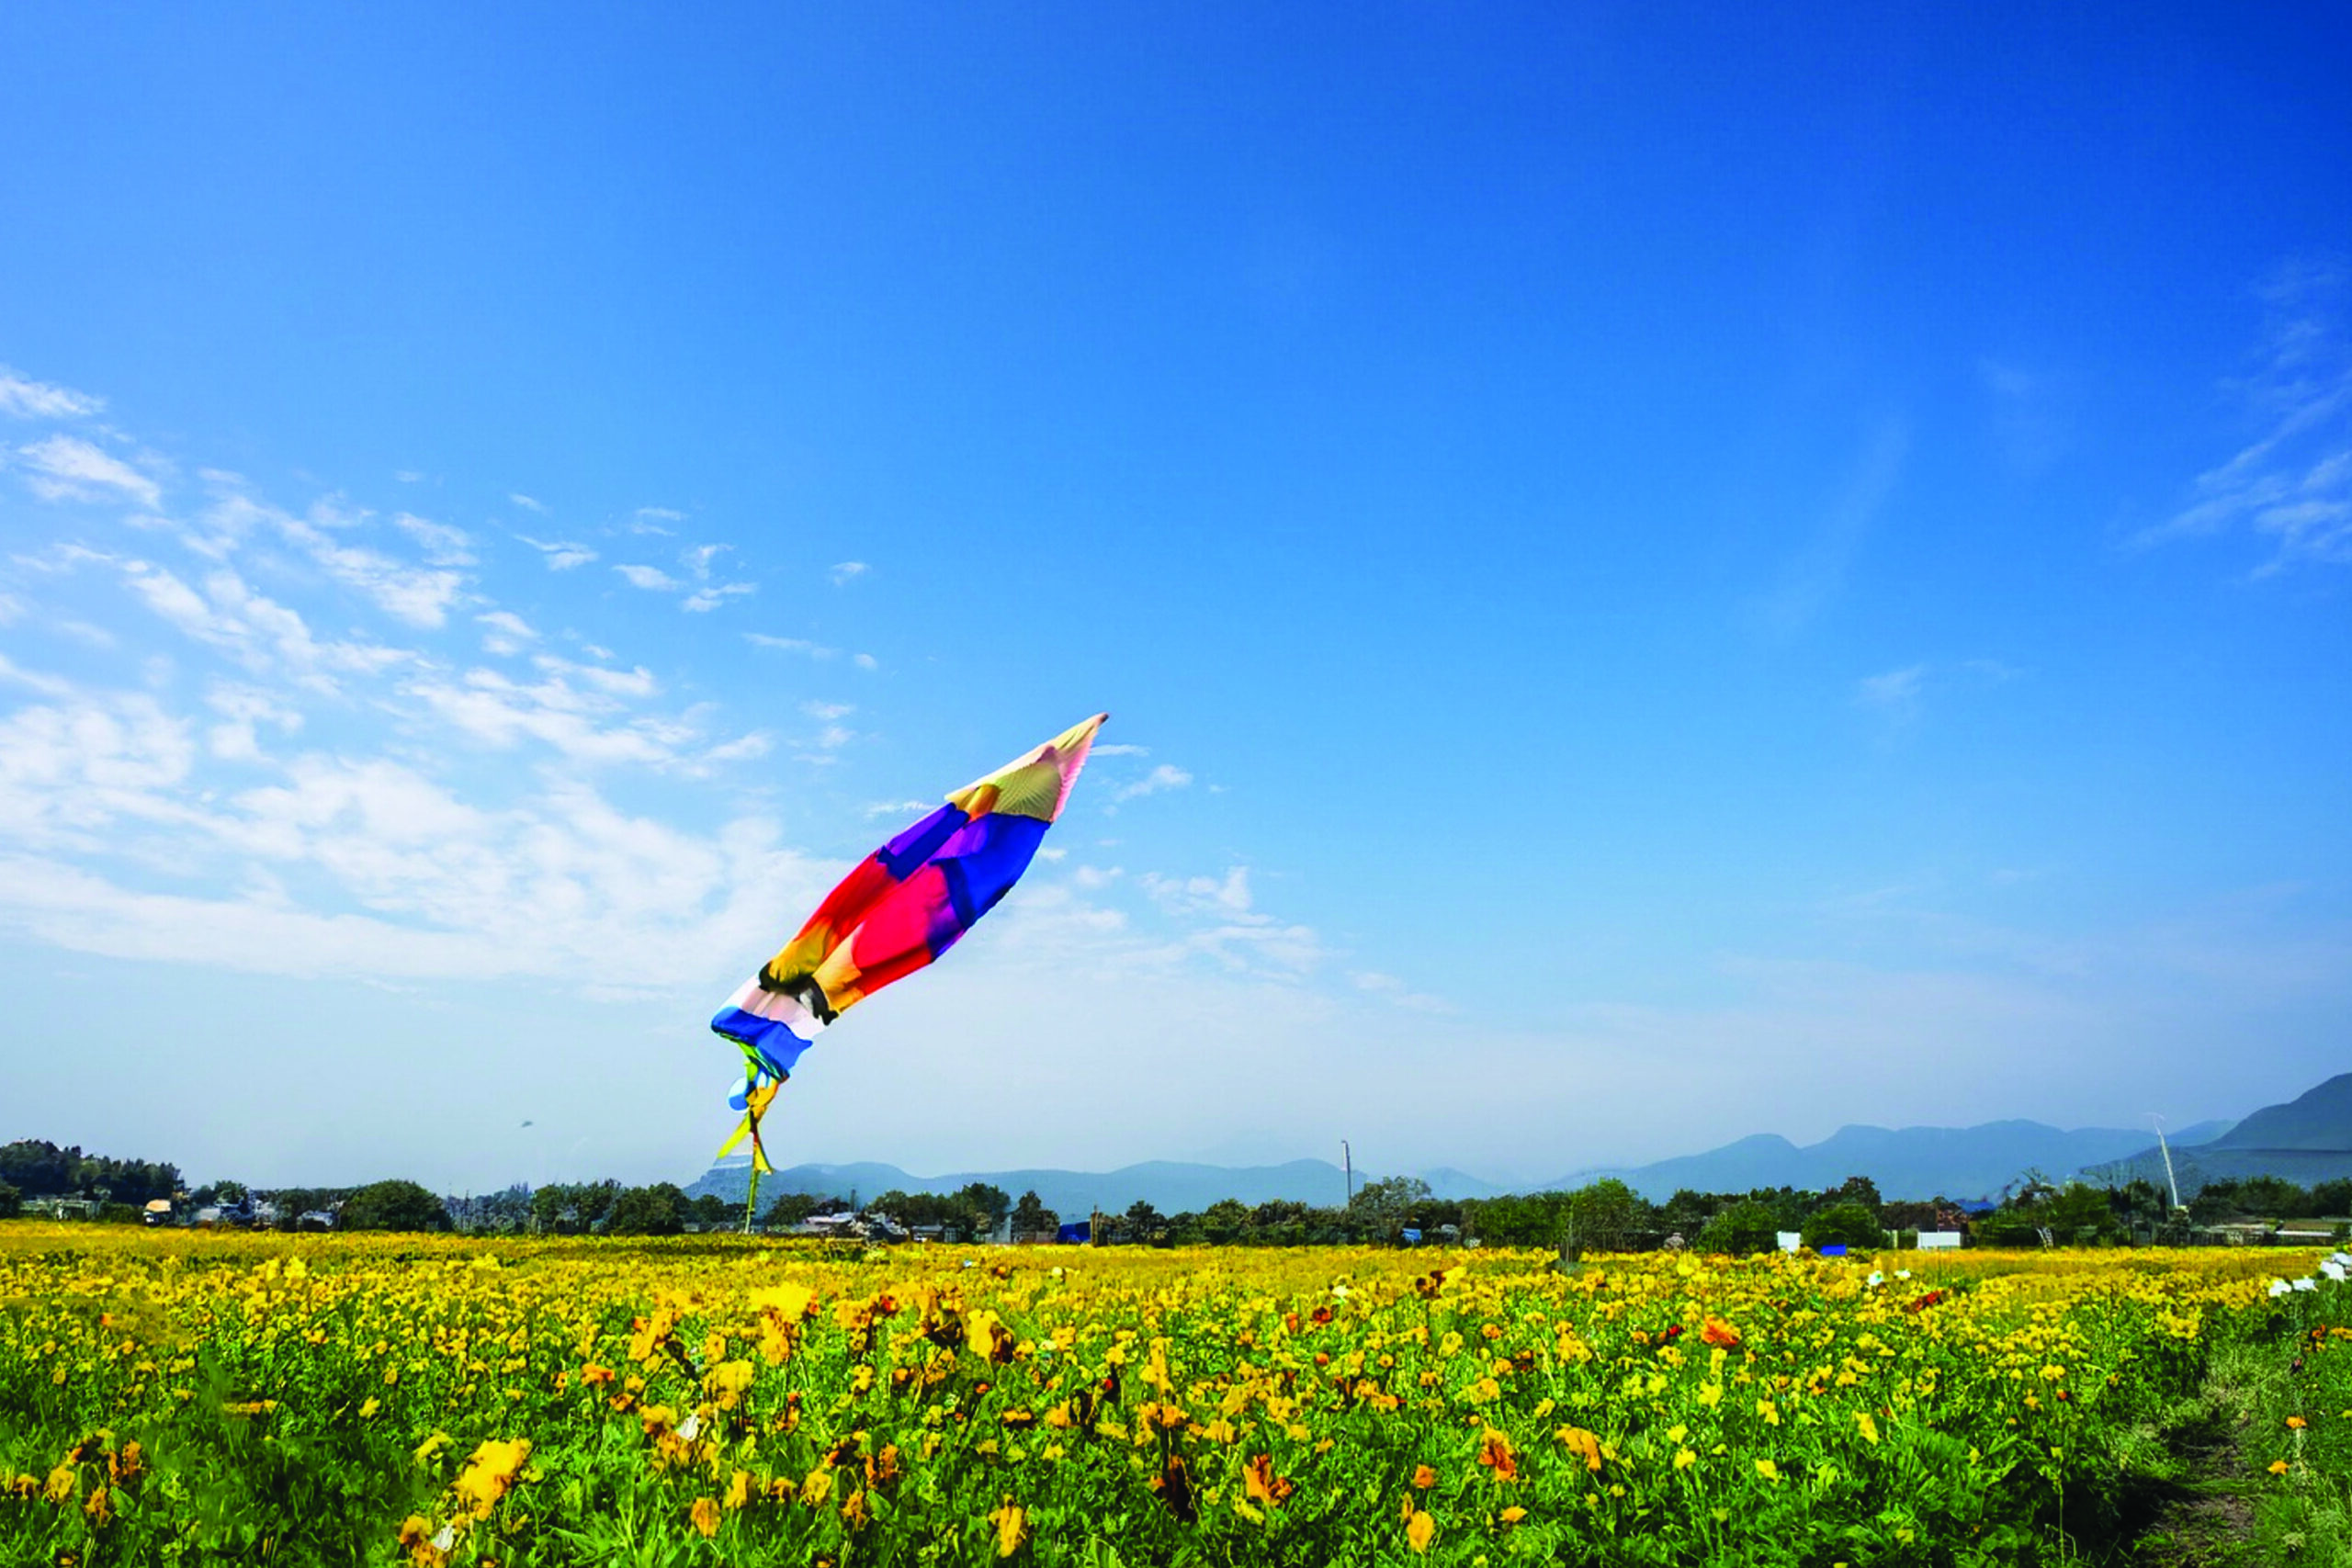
point(1718, 1333)
point(1424, 1478)
point(1260, 1484)
point(2296, 1423)
point(1495, 1455)
point(1580, 1441)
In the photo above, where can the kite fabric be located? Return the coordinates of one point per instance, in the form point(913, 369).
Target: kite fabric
point(906, 904)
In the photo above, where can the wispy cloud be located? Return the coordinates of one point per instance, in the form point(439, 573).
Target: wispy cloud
point(65, 467)
point(1122, 749)
point(653, 520)
point(848, 571)
point(562, 555)
point(443, 545)
point(651, 579)
point(2293, 482)
point(508, 631)
point(1815, 577)
point(1896, 691)
point(24, 398)
point(793, 645)
point(528, 503)
point(1166, 776)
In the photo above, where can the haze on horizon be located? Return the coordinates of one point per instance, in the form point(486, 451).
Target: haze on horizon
point(1659, 575)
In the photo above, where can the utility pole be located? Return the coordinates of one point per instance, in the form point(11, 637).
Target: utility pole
point(1347, 1163)
point(2170, 1180)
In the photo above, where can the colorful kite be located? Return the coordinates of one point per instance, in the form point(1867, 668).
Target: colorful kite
point(906, 904)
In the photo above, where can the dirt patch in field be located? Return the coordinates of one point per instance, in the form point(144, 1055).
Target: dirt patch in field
point(2205, 1519)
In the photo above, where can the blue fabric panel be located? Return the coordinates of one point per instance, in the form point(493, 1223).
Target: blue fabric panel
point(902, 854)
point(986, 859)
point(776, 1043)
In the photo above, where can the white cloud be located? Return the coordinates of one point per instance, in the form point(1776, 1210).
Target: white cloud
point(848, 571)
point(653, 579)
point(865, 661)
point(420, 596)
point(65, 467)
point(561, 554)
point(508, 631)
point(650, 519)
point(792, 645)
point(706, 599)
point(443, 545)
point(528, 503)
point(899, 808)
point(1394, 992)
point(263, 634)
point(827, 711)
point(2293, 482)
point(1894, 690)
point(1166, 776)
point(1121, 751)
point(24, 398)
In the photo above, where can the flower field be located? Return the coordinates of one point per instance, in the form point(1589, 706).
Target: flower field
point(200, 1398)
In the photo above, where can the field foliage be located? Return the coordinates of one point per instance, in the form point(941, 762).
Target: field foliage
point(217, 1398)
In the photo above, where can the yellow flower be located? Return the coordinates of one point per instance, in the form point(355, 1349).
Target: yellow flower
point(1010, 1523)
point(2277, 1467)
point(489, 1473)
point(1512, 1514)
point(705, 1516)
point(1869, 1427)
point(739, 1490)
point(1767, 1470)
point(1419, 1529)
point(1684, 1458)
point(2296, 1423)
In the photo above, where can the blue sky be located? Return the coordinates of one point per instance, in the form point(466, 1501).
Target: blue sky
point(1659, 575)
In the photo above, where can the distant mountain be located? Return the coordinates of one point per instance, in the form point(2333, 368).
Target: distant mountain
point(1173, 1187)
point(1907, 1162)
point(2306, 1140)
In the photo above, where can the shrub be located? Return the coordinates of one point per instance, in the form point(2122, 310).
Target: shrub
point(394, 1206)
point(1845, 1224)
point(658, 1210)
point(1746, 1226)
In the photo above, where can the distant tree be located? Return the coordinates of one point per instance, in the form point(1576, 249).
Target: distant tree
point(1741, 1228)
point(1031, 1216)
point(2273, 1198)
point(2216, 1201)
point(711, 1210)
point(1379, 1207)
point(2331, 1199)
point(1222, 1223)
point(1142, 1223)
point(990, 1200)
point(1686, 1212)
point(1606, 1216)
point(790, 1209)
point(658, 1209)
point(1845, 1224)
point(9, 1200)
point(394, 1206)
point(1855, 1190)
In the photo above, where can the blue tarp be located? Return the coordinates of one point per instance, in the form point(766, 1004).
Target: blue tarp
point(1078, 1235)
point(1834, 1249)
point(1412, 1237)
